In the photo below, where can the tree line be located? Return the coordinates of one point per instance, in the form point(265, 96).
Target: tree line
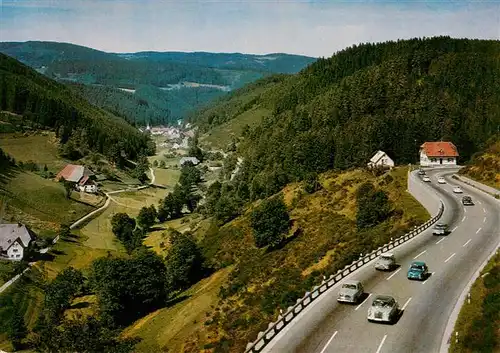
point(79, 126)
point(336, 113)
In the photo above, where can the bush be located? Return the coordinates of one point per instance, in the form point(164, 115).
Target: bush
point(184, 261)
point(312, 183)
point(146, 217)
point(269, 222)
point(373, 206)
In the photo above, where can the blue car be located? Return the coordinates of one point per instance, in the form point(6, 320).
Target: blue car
point(418, 270)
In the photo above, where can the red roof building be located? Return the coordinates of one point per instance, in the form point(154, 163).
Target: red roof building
point(438, 153)
point(79, 175)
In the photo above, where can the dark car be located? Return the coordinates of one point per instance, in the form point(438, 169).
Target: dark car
point(421, 172)
point(467, 201)
point(440, 229)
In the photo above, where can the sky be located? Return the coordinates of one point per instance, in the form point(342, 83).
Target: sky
point(314, 28)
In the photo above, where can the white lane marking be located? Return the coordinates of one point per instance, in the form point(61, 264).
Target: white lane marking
point(467, 242)
point(388, 278)
point(439, 241)
point(463, 219)
point(484, 220)
point(406, 304)
point(432, 274)
point(423, 252)
point(381, 344)
point(465, 210)
point(484, 210)
point(454, 229)
point(479, 202)
point(329, 341)
point(477, 231)
point(364, 301)
point(448, 259)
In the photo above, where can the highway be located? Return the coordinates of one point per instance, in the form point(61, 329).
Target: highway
point(327, 326)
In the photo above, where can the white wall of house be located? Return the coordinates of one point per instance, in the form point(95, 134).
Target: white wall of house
point(16, 251)
point(383, 162)
point(436, 161)
point(88, 188)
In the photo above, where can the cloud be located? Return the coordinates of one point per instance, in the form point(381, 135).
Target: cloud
point(316, 28)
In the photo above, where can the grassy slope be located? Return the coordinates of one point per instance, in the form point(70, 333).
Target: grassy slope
point(478, 323)
point(326, 219)
point(27, 297)
point(485, 167)
point(170, 327)
point(41, 148)
point(39, 202)
point(221, 136)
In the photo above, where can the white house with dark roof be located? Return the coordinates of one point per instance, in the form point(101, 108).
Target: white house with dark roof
point(14, 239)
point(381, 159)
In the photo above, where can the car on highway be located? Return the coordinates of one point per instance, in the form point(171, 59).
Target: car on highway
point(457, 190)
point(441, 180)
point(386, 262)
point(417, 270)
point(351, 292)
point(440, 229)
point(384, 308)
point(467, 201)
point(426, 179)
point(421, 172)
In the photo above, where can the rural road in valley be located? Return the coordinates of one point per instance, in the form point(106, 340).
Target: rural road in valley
point(109, 198)
point(328, 327)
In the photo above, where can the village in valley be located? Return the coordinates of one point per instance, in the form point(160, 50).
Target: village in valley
point(104, 190)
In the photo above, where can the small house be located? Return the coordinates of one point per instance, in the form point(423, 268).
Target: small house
point(193, 160)
point(439, 153)
point(81, 176)
point(14, 240)
point(381, 159)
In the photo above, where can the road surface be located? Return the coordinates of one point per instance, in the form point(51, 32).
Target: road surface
point(327, 327)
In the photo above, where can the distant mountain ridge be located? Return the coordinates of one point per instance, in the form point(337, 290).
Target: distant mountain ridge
point(201, 76)
point(70, 61)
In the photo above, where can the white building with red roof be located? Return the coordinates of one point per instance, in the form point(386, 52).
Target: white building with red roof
point(439, 153)
point(80, 175)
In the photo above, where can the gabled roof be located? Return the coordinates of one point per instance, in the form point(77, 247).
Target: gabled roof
point(73, 173)
point(439, 149)
point(378, 156)
point(86, 181)
point(193, 160)
point(9, 233)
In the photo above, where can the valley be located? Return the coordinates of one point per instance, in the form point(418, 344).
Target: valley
point(203, 230)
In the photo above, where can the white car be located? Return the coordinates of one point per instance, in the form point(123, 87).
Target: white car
point(426, 179)
point(351, 292)
point(384, 308)
point(441, 180)
point(457, 190)
point(386, 262)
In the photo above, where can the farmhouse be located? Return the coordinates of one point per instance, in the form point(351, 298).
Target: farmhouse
point(438, 153)
point(380, 159)
point(14, 239)
point(80, 175)
point(193, 160)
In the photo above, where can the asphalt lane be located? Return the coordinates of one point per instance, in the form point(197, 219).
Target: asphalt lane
point(331, 327)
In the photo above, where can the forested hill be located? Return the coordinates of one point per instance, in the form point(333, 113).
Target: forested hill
point(339, 111)
point(80, 126)
point(162, 86)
